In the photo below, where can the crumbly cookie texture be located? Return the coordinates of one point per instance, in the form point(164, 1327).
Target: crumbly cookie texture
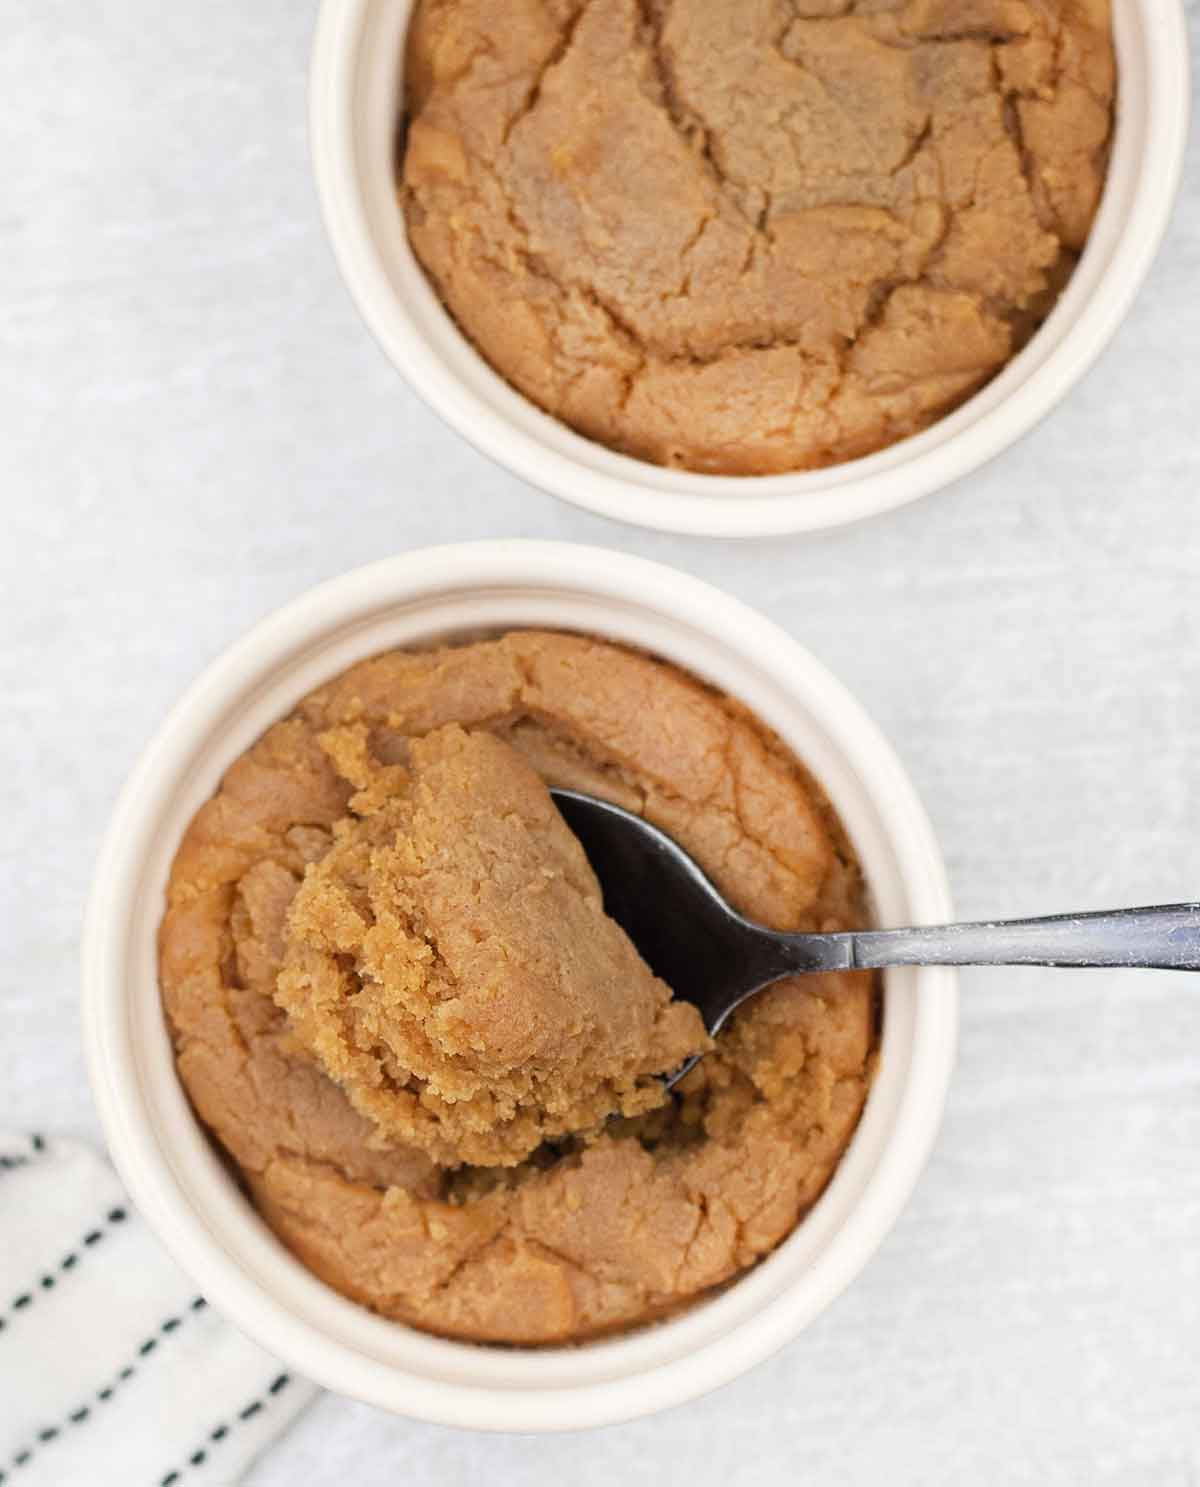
point(751, 236)
point(449, 962)
point(584, 1236)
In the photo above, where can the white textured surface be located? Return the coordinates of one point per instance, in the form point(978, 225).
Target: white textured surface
point(197, 428)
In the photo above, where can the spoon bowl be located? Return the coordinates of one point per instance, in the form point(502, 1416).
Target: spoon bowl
point(684, 930)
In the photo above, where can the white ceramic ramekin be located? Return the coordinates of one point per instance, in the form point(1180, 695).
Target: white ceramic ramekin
point(185, 1192)
point(355, 102)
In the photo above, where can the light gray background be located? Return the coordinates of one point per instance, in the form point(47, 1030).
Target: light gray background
point(196, 428)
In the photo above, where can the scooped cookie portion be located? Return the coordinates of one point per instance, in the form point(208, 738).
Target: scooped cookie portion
point(449, 962)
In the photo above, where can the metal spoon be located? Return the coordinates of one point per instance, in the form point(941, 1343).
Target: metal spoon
point(711, 956)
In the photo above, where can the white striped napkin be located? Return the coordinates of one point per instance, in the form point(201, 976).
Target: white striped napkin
point(113, 1371)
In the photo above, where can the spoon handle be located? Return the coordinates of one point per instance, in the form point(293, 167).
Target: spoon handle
point(1162, 938)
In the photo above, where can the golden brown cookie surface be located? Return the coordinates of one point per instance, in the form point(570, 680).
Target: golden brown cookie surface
point(590, 1236)
point(750, 236)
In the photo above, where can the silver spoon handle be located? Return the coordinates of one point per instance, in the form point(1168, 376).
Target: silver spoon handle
point(1162, 938)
